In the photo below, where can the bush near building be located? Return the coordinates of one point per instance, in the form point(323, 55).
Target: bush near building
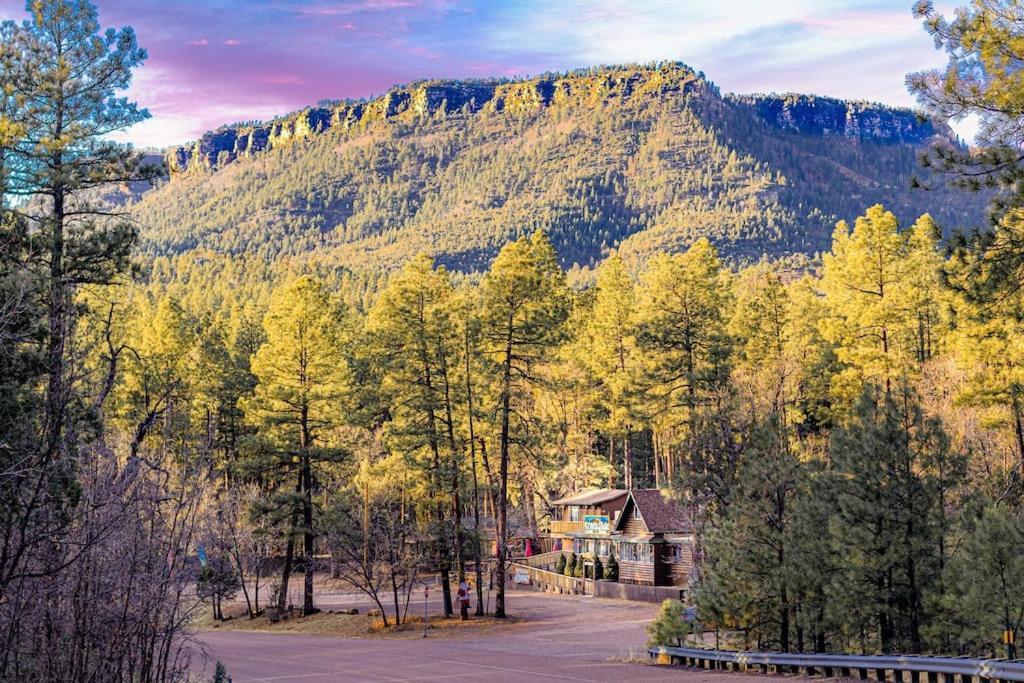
point(611, 570)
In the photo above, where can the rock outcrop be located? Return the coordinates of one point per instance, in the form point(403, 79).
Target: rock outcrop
point(807, 115)
point(810, 115)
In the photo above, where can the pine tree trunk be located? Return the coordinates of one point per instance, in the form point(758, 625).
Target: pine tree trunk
point(627, 458)
point(307, 536)
point(56, 313)
point(456, 454)
point(476, 487)
point(506, 408)
point(289, 558)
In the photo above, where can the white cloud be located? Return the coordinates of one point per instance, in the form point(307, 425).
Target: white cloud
point(837, 47)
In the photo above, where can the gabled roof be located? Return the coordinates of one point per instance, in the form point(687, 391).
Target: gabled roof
point(659, 513)
point(591, 497)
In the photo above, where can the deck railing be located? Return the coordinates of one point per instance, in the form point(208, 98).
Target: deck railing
point(864, 667)
point(559, 526)
point(540, 560)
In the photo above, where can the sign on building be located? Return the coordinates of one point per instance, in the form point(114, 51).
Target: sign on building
point(595, 524)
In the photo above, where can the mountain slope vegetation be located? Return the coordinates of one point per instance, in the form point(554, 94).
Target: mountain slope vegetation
point(640, 159)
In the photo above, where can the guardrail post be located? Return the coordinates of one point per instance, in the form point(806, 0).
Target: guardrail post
point(844, 672)
point(880, 675)
point(863, 673)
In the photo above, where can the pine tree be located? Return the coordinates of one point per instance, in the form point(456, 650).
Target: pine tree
point(683, 311)
point(884, 525)
point(609, 350)
point(980, 81)
point(302, 380)
point(882, 287)
point(67, 75)
point(860, 280)
point(61, 78)
point(525, 303)
point(985, 583)
point(987, 342)
point(750, 563)
point(668, 628)
point(762, 328)
point(156, 386)
point(415, 340)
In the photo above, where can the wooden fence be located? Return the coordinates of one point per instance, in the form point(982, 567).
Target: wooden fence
point(541, 560)
point(552, 582)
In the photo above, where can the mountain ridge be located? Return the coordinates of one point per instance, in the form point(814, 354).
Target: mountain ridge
point(638, 159)
point(812, 114)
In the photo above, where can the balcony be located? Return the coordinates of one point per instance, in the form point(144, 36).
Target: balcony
point(562, 527)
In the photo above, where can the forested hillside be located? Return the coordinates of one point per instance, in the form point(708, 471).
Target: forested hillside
point(640, 158)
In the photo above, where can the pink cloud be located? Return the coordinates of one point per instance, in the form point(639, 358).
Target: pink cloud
point(201, 41)
point(342, 9)
point(282, 79)
point(232, 42)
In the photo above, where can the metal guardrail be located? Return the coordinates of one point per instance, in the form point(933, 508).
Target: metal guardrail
point(845, 665)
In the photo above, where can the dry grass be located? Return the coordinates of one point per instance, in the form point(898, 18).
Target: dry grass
point(324, 624)
point(444, 628)
point(357, 625)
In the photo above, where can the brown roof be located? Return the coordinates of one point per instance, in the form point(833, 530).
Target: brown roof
point(591, 497)
point(660, 513)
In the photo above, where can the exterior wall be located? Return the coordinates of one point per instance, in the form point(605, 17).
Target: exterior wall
point(631, 572)
point(613, 508)
point(677, 573)
point(625, 591)
point(632, 525)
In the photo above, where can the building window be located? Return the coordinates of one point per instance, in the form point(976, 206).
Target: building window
point(678, 554)
point(574, 513)
point(637, 553)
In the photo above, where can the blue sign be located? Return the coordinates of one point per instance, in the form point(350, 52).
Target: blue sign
point(202, 556)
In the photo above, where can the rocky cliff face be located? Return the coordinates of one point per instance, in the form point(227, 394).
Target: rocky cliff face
point(806, 115)
point(224, 145)
point(810, 115)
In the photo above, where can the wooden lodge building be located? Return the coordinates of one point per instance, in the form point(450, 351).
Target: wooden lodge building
point(650, 535)
point(654, 540)
point(582, 522)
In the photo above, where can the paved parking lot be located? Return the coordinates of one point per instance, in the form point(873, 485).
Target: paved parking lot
point(559, 638)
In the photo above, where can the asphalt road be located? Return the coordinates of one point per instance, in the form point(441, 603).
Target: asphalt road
point(560, 638)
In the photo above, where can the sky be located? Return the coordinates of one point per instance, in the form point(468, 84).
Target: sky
point(222, 61)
